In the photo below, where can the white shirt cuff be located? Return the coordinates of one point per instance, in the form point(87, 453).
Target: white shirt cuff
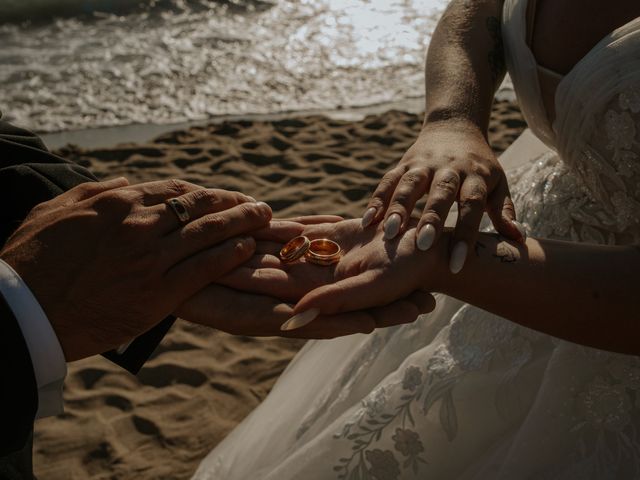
point(47, 358)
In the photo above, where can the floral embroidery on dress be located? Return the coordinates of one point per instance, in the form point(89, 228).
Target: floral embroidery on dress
point(472, 343)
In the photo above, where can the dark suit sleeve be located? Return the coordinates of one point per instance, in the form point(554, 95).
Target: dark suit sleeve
point(19, 396)
point(29, 175)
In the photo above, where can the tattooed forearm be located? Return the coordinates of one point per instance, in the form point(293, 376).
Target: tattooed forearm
point(496, 55)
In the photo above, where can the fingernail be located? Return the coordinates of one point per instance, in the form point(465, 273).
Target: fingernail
point(251, 199)
point(521, 229)
point(392, 226)
point(300, 320)
point(426, 237)
point(368, 217)
point(458, 257)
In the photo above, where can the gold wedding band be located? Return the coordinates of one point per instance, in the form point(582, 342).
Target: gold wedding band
point(323, 252)
point(179, 209)
point(294, 249)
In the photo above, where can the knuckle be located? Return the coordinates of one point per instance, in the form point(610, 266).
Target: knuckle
point(177, 187)
point(481, 169)
point(87, 188)
point(448, 182)
point(214, 223)
point(474, 199)
point(39, 209)
point(206, 197)
point(249, 211)
point(415, 176)
point(115, 199)
point(431, 216)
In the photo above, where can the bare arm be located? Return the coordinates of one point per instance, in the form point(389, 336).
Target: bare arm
point(465, 64)
point(588, 294)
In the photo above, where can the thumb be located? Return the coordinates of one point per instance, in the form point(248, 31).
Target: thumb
point(346, 295)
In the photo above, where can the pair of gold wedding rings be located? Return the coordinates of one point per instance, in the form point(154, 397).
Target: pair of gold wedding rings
point(321, 251)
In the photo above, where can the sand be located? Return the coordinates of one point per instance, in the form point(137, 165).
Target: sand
point(200, 383)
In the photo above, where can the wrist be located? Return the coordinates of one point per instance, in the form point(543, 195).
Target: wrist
point(434, 265)
point(452, 120)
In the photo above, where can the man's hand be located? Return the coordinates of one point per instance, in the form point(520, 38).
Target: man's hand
point(108, 261)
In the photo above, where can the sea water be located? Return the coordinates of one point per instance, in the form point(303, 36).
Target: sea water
point(72, 64)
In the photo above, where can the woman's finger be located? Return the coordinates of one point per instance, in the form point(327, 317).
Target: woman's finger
point(395, 312)
point(471, 205)
point(502, 212)
point(442, 194)
point(381, 197)
point(346, 295)
point(411, 187)
point(196, 272)
point(214, 228)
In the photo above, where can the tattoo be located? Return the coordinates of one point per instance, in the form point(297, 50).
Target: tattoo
point(496, 55)
point(506, 253)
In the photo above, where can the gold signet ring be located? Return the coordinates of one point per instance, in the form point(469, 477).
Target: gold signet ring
point(295, 249)
point(323, 252)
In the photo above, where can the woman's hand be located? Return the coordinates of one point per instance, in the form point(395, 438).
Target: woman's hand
point(373, 273)
point(450, 161)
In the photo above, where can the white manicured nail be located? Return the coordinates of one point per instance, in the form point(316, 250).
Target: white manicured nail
point(300, 320)
point(392, 226)
point(426, 237)
point(368, 217)
point(521, 229)
point(458, 257)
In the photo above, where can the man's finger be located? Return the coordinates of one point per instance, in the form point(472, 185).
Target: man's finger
point(87, 190)
point(215, 228)
point(280, 231)
point(190, 276)
point(196, 204)
point(314, 219)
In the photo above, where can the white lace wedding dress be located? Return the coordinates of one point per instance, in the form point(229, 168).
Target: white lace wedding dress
point(460, 393)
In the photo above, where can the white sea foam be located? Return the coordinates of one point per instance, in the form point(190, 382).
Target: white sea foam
point(184, 60)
